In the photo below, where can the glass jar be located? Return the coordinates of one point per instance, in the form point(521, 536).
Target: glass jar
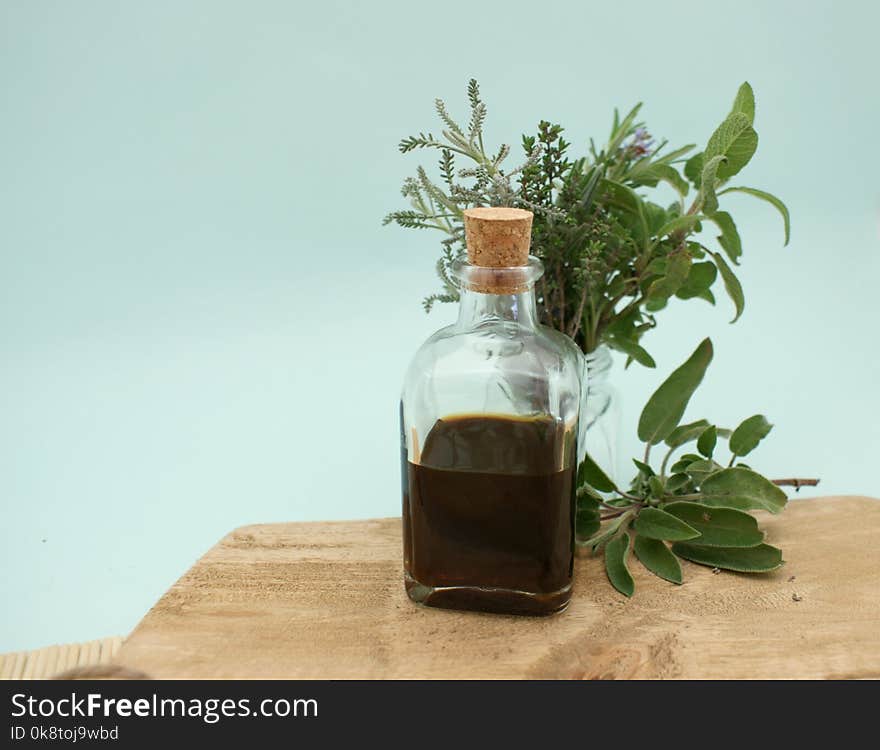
point(489, 425)
point(600, 417)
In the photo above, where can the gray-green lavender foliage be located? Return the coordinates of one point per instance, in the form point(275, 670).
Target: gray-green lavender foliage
point(614, 256)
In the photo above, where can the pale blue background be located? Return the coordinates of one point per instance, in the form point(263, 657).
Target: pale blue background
point(203, 324)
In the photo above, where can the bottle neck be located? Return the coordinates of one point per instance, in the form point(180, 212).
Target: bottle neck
point(476, 308)
point(496, 294)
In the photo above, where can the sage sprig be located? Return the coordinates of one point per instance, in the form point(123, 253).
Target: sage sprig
point(692, 506)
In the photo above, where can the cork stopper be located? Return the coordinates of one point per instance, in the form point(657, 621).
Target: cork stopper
point(498, 237)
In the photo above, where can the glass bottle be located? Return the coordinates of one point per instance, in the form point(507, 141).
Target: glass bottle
point(489, 425)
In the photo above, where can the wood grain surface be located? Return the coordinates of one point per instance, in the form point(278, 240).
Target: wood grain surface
point(326, 600)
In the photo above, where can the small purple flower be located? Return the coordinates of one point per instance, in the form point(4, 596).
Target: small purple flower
point(639, 145)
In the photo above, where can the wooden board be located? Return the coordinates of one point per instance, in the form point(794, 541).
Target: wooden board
point(326, 600)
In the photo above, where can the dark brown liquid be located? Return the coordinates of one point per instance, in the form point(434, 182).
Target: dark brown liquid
point(488, 515)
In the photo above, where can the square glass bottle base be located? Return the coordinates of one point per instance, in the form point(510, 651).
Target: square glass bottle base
point(498, 601)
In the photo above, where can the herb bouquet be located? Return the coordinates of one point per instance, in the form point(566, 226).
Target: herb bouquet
point(614, 256)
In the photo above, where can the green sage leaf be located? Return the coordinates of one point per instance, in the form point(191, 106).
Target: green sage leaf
point(587, 502)
point(693, 168)
point(769, 198)
point(590, 473)
point(708, 296)
point(671, 176)
point(706, 441)
point(666, 406)
point(643, 468)
point(677, 268)
point(718, 527)
point(611, 528)
point(736, 140)
point(652, 173)
point(587, 523)
point(657, 486)
point(702, 469)
point(657, 267)
point(760, 559)
point(657, 558)
point(696, 249)
point(632, 350)
point(686, 432)
point(679, 224)
point(677, 481)
point(658, 524)
point(729, 238)
point(709, 199)
point(680, 466)
point(615, 564)
point(732, 285)
point(750, 432)
point(742, 489)
point(656, 217)
point(699, 279)
point(745, 102)
point(625, 198)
